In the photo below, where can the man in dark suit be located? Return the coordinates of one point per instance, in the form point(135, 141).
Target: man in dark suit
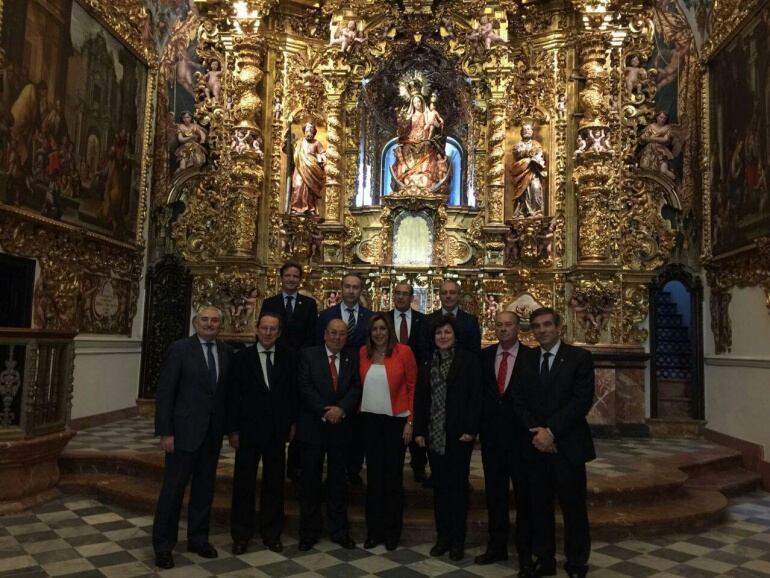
point(554, 409)
point(412, 329)
point(357, 318)
point(468, 330)
point(329, 390)
point(299, 315)
point(190, 409)
point(506, 367)
point(261, 419)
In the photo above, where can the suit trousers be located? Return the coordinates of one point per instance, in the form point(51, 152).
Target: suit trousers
point(357, 448)
point(552, 475)
point(418, 457)
point(503, 466)
point(311, 490)
point(450, 491)
point(180, 467)
point(243, 516)
point(385, 452)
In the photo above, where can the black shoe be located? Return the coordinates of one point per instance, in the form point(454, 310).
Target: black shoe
point(273, 545)
point(305, 545)
point(345, 541)
point(490, 557)
point(526, 569)
point(355, 480)
point(164, 560)
point(457, 553)
point(428, 482)
point(439, 549)
point(239, 547)
point(544, 568)
point(419, 476)
point(391, 545)
point(204, 550)
point(578, 574)
point(370, 543)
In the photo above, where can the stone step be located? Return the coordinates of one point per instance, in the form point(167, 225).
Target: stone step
point(674, 407)
point(677, 428)
point(685, 510)
point(731, 481)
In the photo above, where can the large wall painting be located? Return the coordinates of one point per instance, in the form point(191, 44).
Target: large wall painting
point(740, 137)
point(73, 108)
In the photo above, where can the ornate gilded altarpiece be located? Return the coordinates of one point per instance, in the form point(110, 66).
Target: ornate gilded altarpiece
point(735, 153)
point(533, 183)
point(77, 146)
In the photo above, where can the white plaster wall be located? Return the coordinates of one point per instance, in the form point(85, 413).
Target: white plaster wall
point(737, 384)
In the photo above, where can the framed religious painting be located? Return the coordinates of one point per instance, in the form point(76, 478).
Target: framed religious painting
point(738, 139)
point(75, 115)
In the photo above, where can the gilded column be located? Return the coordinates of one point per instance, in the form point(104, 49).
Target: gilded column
point(496, 175)
point(593, 171)
point(333, 82)
point(246, 173)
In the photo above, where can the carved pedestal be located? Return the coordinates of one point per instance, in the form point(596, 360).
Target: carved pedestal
point(29, 471)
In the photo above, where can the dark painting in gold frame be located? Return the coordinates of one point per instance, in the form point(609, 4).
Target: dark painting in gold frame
point(73, 106)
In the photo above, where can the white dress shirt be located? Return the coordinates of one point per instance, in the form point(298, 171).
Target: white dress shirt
point(263, 361)
point(452, 312)
point(553, 351)
point(336, 360)
point(512, 353)
point(397, 321)
point(214, 352)
point(344, 312)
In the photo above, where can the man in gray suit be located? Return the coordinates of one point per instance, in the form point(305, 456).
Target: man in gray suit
point(190, 420)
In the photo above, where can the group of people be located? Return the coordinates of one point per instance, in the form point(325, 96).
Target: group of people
point(350, 385)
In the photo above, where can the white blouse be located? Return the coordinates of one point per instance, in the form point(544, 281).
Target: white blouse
point(376, 396)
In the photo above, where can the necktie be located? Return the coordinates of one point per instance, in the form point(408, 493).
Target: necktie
point(403, 332)
point(351, 322)
point(502, 373)
point(545, 370)
point(269, 366)
point(289, 306)
point(211, 362)
point(333, 371)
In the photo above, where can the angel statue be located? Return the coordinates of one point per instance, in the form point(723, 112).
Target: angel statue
point(347, 36)
point(528, 174)
point(660, 146)
point(420, 158)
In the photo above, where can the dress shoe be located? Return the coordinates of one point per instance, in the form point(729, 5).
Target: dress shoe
point(370, 543)
point(204, 550)
point(544, 568)
point(419, 476)
point(579, 574)
point(439, 549)
point(345, 541)
point(457, 553)
point(273, 545)
point(490, 557)
point(391, 545)
point(526, 569)
point(240, 546)
point(164, 560)
point(355, 480)
point(305, 545)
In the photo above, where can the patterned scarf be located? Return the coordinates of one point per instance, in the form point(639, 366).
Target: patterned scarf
point(439, 370)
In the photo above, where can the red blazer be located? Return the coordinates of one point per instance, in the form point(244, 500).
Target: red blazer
point(401, 371)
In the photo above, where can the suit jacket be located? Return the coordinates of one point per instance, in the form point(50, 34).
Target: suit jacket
point(187, 404)
point(299, 330)
point(561, 402)
point(418, 332)
point(316, 392)
point(468, 331)
point(258, 413)
point(463, 397)
point(499, 423)
point(359, 335)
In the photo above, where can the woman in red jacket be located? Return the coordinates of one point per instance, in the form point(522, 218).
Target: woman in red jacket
point(388, 375)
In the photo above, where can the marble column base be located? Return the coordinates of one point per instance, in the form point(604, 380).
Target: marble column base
point(29, 470)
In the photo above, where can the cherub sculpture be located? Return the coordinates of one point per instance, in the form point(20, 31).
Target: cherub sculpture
point(634, 75)
point(347, 37)
point(485, 34)
point(213, 80)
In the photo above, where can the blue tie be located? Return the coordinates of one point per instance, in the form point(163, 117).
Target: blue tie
point(211, 363)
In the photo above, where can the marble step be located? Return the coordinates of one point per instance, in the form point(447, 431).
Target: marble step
point(729, 481)
point(687, 509)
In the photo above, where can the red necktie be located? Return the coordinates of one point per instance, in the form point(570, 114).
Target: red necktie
point(502, 373)
point(333, 371)
point(403, 332)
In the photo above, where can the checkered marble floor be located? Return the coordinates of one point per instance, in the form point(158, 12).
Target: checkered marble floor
point(79, 536)
point(616, 457)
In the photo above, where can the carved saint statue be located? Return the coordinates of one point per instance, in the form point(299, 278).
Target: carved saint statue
point(528, 174)
point(191, 137)
point(308, 176)
point(658, 140)
point(420, 158)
